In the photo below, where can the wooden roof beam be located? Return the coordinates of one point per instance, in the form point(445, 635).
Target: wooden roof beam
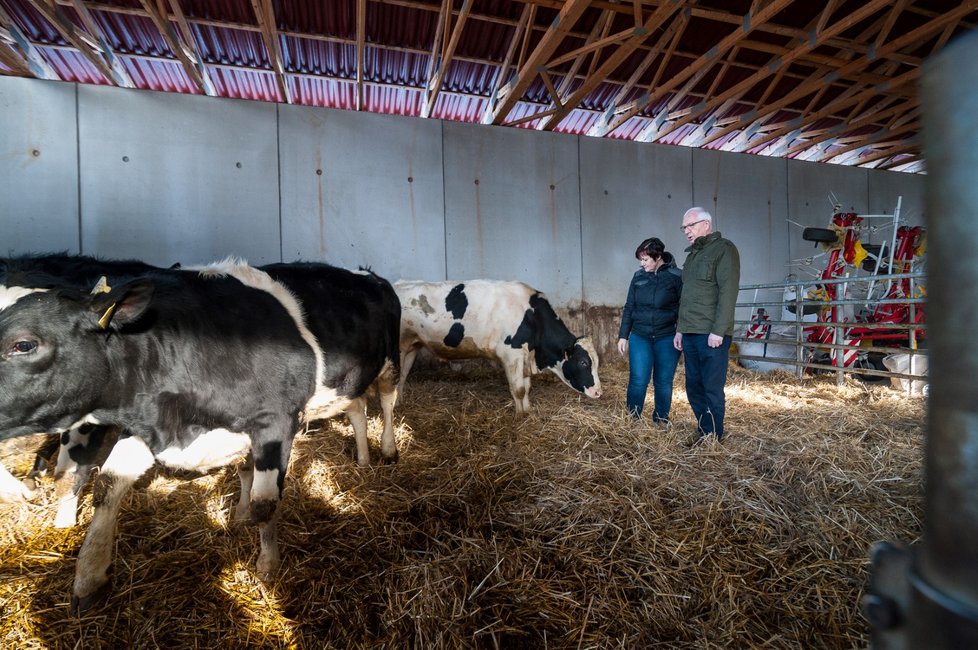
point(911, 146)
point(670, 39)
point(158, 13)
point(122, 77)
point(12, 60)
point(810, 43)
point(847, 127)
point(265, 16)
point(503, 102)
point(191, 50)
point(502, 72)
point(756, 16)
point(598, 34)
point(361, 47)
point(795, 126)
point(19, 54)
point(444, 57)
point(816, 83)
point(91, 46)
point(873, 139)
point(655, 20)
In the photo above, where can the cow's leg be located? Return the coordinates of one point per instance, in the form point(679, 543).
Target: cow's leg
point(407, 360)
point(357, 414)
point(83, 446)
point(514, 367)
point(129, 459)
point(387, 388)
point(12, 490)
point(44, 453)
point(271, 463)
point(246, 476)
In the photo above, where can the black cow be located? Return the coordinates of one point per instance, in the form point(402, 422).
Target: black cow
point(21, 276)
point(199, 369)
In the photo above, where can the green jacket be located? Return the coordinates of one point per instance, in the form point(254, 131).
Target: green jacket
point(711, 279)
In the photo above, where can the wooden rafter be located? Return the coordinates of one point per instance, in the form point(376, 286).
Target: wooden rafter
point(444, 55)
point(18, 53)
point(192, 52)
point(667, 46)
point(805, 45)
point(906, 146)
point(598, 33)
point(848, 127)
point(265, 16)
point(500, 105)
point(502, 73)
point(796, 126)
point(752, 20)
point(655, 20)
point(91, 46)
point(872, 139)
point(817, 82)
point(122, 77)
point(361, 47)
point(160, 16)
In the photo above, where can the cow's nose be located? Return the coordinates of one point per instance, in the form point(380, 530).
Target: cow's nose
point(593, 392)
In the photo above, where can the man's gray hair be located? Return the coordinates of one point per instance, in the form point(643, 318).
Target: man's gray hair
point(699, 213)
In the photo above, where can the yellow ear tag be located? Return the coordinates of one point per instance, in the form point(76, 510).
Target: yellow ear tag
point(104, 321)
point(102, 286)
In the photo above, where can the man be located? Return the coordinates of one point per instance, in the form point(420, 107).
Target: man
point(711, 277)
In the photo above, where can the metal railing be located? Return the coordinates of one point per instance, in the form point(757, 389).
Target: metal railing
point(817, 356)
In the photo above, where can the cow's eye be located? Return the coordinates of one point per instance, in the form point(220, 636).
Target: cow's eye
point(24, 347)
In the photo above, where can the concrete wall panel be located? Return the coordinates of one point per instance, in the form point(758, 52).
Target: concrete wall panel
point(811, 188)
point(747, 196)
point(363, 189)
point(884, 189)
point(629, 192)
point(168, 177)
point(38, 167)
point(512, 208)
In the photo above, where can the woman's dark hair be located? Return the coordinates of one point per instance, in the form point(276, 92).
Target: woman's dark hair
point(653, 247)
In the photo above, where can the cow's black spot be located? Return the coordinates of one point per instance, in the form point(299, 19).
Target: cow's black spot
point(456, 302)
point(524, 333)
point(454, 337)
point(270, 457)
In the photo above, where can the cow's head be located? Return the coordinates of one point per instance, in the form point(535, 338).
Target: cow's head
point(54, 362)
point(579, 368)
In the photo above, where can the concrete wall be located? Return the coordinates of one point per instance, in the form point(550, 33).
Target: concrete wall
point(168, 177)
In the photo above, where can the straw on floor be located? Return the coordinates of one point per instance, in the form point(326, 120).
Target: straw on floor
point(573, 528)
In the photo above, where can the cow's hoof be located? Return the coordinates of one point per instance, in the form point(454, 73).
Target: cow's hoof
point(392, 459)
point(80, 605)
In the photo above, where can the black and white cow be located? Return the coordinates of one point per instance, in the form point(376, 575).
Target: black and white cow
point(508, 321)
point(20, 276)
point(199, 369)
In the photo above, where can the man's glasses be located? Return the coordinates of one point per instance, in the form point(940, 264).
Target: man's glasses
point(689, 226)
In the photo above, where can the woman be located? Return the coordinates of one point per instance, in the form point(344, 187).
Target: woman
point(648, 324)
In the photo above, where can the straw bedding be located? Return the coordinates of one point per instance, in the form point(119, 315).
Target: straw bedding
point(572, 528)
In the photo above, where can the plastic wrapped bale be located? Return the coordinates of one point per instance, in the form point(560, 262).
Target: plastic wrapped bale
point(900, 363)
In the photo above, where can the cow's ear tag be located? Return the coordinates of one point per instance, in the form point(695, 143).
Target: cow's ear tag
point(102, 286)
point(103, 322)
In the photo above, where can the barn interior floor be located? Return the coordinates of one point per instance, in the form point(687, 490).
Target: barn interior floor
point(572, 528)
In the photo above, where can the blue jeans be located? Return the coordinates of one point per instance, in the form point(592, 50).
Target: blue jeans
point(706, 373)
point(656, 359)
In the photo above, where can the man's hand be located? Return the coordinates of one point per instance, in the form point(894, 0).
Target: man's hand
point(677, 341)
point(713, 340)
point(622, 347)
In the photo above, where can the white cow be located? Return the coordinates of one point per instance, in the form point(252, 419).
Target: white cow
point(494, 319)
